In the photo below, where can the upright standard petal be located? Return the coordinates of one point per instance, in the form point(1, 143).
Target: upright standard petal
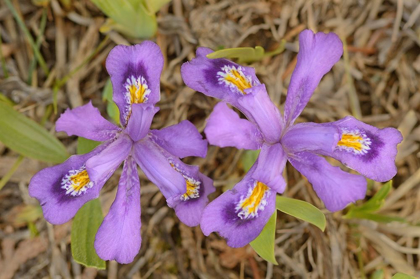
point(63, 189)
point(140, 120)
point(269, 170)
point(118, 237)
point(333, 186)
point(317, 54)
point(157, 167)
point(225, 128)
point(312, 137)
point(181, 140)
point(240, 214)
point(258, 108)
point(219, 78)
point(101, 166)
point(367, 149)
point(135, 75)
point(86, 121)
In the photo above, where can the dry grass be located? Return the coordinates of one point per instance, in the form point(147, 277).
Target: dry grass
point(380, 82)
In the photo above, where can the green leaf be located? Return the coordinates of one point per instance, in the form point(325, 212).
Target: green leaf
point(86, 145)
point(28, 138)
point(379, 274)
point(402, 276)
point(153, 6)
point(301, 210)
point(374, 217)
point(129, 17)
point(264, 243)
point(111, 107)
point(377, 201)
point(248, 158)
point(83, 231)
point(246, 54)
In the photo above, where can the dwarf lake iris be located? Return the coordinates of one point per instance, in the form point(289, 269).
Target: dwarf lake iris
point(241, 213)
point(63, 189)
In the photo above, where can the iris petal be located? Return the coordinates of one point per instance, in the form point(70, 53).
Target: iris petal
point(118, 238)
point(225, 128)
point(333, 186)
point(73, 122)
point(140, 120)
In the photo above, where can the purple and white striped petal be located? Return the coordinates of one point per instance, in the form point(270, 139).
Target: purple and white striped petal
point(240, 214)
point(118, 238)
point(135, 75)
point(258, 108)
point(181, 140)
point(225, 128)
point(63, 189)
point(86, 121)
point(367, 149)
point(317, 54)
point(219, 78)
point(140, 120)
point(270, 165)
point(103, 165)
point(312, 137)
point(333, 186)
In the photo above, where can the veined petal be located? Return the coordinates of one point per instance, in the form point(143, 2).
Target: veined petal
point(135, 75)
point(225, 128)
point(156, 166)
point(190, 205)
point(240, 214)
point(140, 120)
point(258, 108)
point(86, 121)
point(333, 186)
point(311, 137)
point(181, 140)
point(63, 189)
point(367, 149)
point(118, 237)
point(269, 170)
point(101, 166)
point(219, 78)
point(317, 54)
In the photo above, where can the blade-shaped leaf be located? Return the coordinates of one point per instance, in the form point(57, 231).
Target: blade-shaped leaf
point(28, 138)
point(248, 158)
point(83, 231)
point(376, 202)
point(246, 54)
point(111, 107)
point(301, 210)
point(380, 218)
point(153, 6)
point(264, 243)
point(402, 276)
point(86, 145)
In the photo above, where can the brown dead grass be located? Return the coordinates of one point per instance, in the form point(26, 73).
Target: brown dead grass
point(380, 83)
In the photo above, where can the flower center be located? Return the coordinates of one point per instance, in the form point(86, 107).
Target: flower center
point(193, 186)
point(354, 141)
point(234, 78)
point(137, 92)
point(255, 201)
point(76, 182)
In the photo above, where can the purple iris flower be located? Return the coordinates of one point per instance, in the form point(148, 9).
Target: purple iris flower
point(241, 213)
point(63, 189)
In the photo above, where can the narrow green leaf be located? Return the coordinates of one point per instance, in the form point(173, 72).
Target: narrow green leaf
point(83, 231)
point(403, 276)
point(153, 6)
point(376, 202)
point(28, 138)
point(374, 217)
point(248, 158)
point(379, 274)
point(6, 100)
point(301, 210)
point(264, 243)
point(111, 107)
point(86, 145)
